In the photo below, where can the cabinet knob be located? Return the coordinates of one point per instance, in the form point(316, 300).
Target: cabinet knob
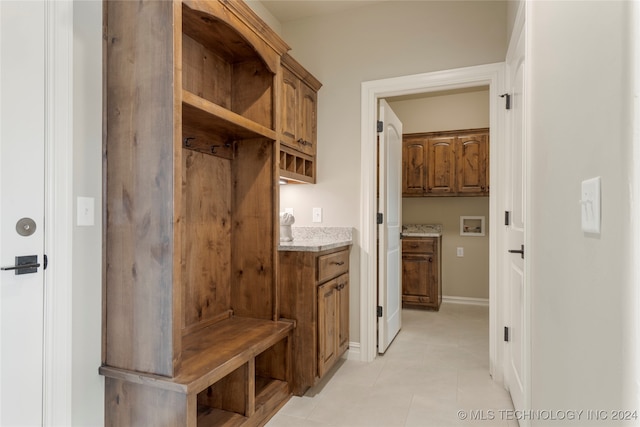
point(430, 259)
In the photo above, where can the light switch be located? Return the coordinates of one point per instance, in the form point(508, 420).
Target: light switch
point(590, 204)
point(85, 211)
point(459, 252)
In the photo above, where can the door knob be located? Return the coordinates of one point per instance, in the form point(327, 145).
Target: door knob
point(516, 251)
point(24, 265)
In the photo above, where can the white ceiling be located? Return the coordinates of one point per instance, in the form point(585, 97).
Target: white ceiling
point(290, 10)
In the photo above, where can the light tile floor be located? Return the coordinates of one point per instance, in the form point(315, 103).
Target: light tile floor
point(437, 366)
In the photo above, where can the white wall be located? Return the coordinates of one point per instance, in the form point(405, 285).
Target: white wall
point(373, 42)
point(87, 385)
point(583, 333)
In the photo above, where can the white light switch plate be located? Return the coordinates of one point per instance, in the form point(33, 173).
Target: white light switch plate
point(317, 215)
point(85, 211)
point(590, 204)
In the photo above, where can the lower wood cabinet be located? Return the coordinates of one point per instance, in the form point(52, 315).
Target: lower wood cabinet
point(421, 273)
point(315, 294)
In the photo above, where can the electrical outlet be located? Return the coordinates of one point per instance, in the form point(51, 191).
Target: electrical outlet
point(460, 252)
point(317, 215)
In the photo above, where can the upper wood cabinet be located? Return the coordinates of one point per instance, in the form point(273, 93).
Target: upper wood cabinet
point(192, 332)
point(441, 172)
point(452, 163)
point(472, 162)
point(414, 165)
point(298, 124)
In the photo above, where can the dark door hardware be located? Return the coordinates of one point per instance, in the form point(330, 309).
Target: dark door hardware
point(516, 251)
point(24, 265)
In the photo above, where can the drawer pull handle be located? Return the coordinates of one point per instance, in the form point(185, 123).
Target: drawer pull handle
point(338, 262)
point(339, 286)
point(414, 245)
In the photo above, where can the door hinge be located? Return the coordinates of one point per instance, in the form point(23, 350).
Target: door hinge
point(379, 311)
point(507, 218)
point(379, 218)
point(45, 262)
point(507, 103)
point(380, 126)
point(506, 334)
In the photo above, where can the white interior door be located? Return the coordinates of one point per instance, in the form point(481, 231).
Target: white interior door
point(515, 277)
point(22, 129)
point(390, 206)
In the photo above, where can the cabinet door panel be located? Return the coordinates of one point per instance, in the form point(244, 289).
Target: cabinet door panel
point(343, 314)
point(327, 327)
point(289, 110)
point(441, 173)
point(307, 131)
point(472, 164)
point(416, 275)
point(414, 167)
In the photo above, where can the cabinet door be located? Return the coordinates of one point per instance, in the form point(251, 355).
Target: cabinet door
point(417, 275)
point(307, 121)
point(441, 171)
point(472, 164)
point(414, 167)
point(289, 107)
point(343, 313)
point(327, 326)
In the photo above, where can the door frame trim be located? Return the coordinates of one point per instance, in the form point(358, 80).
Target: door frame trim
point(491, 75)
point(57, 381)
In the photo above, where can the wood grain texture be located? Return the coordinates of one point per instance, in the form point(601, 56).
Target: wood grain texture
point(191, 205)
point(224, 23)
point(254, 232)
point(421, 273)
point(206, 244)
point(448, 163)
point(130, 404)
point(301, 274)
point(298, 300)
point(139, 187)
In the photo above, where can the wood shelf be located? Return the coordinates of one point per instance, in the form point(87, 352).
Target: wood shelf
point(236, 340)
point(213, 119)
point(297, 166)
point(217, 417)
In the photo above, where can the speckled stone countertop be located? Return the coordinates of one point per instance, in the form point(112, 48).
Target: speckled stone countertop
point(422, 230)
point(317, 239)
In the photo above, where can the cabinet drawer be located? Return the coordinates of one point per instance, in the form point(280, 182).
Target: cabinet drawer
point(332, 265)
point(418, 246)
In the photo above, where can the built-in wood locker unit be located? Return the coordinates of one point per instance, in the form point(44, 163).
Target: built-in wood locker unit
point(192, 333)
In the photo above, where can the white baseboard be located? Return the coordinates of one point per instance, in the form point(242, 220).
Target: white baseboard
point(466, 300)
point(354, 351)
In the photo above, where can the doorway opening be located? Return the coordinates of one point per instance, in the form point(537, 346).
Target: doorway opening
point(437, 195)
point(490, 76)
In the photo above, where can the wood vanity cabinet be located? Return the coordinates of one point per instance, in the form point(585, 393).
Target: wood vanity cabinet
point(421, 273)
point(452, 163)
point(298, 133)
point(314, 291)
point(192, 333)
